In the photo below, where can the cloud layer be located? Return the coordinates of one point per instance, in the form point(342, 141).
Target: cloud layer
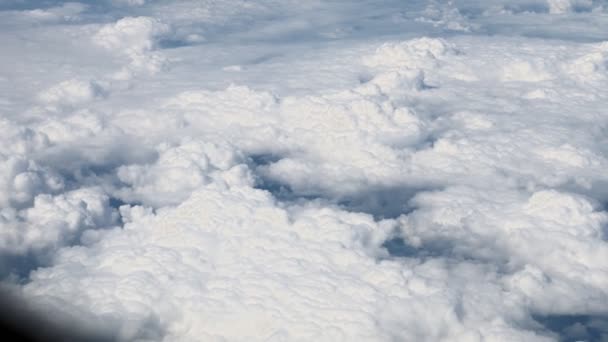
point(284, 171)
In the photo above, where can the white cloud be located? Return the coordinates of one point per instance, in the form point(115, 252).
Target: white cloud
point(590, 66)
point(233, 265)
point(181, 169)
point(525, 71)
point(135, 38)
point(22, 179)
point(415, 53)
point(413, 183)
point(72, 92)
point(53, 221)
point(558, 235)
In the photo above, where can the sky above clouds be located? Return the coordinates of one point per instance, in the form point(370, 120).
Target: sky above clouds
point(307, 170)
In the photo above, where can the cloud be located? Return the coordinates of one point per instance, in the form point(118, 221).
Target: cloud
point(129, 2)
point(69, 11)
point(447, 16)
point(525, 71)
point(226, 259)
point(394, 181)
point(135, 38)
point(565, 6)
point(72, 92)
point(54, 221)
point(553, 240)
point(181, 169)
point(23, 178)
point(359, 121)
point(590, 66)
point(415, 53)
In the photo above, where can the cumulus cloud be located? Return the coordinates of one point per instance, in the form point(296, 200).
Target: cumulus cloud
point(296, 273)
point(72, 92)
point(394, 181)
point(53, 221)
point(23, 178)
point(415, 53)
point(135, 38)
point(20, 140)
point(181, 169)
point(550, 243)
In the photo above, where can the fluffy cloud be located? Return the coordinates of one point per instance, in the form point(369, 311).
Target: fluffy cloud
point(53, 221)
point(23, 178)
point(72, 92)
point(389, 181)
point(130, 34)
point(415, 53)
point(233, 265)
point(135, 38)
point(20, 140)
point(181, 169)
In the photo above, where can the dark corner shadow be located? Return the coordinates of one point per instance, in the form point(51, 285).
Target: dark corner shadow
point(20, 322)
point(576, 327)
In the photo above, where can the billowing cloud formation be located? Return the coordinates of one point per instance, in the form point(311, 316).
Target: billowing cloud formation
point(233, 265)
point(21, 177)
point(181, 169)
point(308, 171)
point(72, 92)
point(558, 235)
point(135, 38)
point(54, 220)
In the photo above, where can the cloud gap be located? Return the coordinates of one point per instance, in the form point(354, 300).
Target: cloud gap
point(575, 327)
point(380, 201)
